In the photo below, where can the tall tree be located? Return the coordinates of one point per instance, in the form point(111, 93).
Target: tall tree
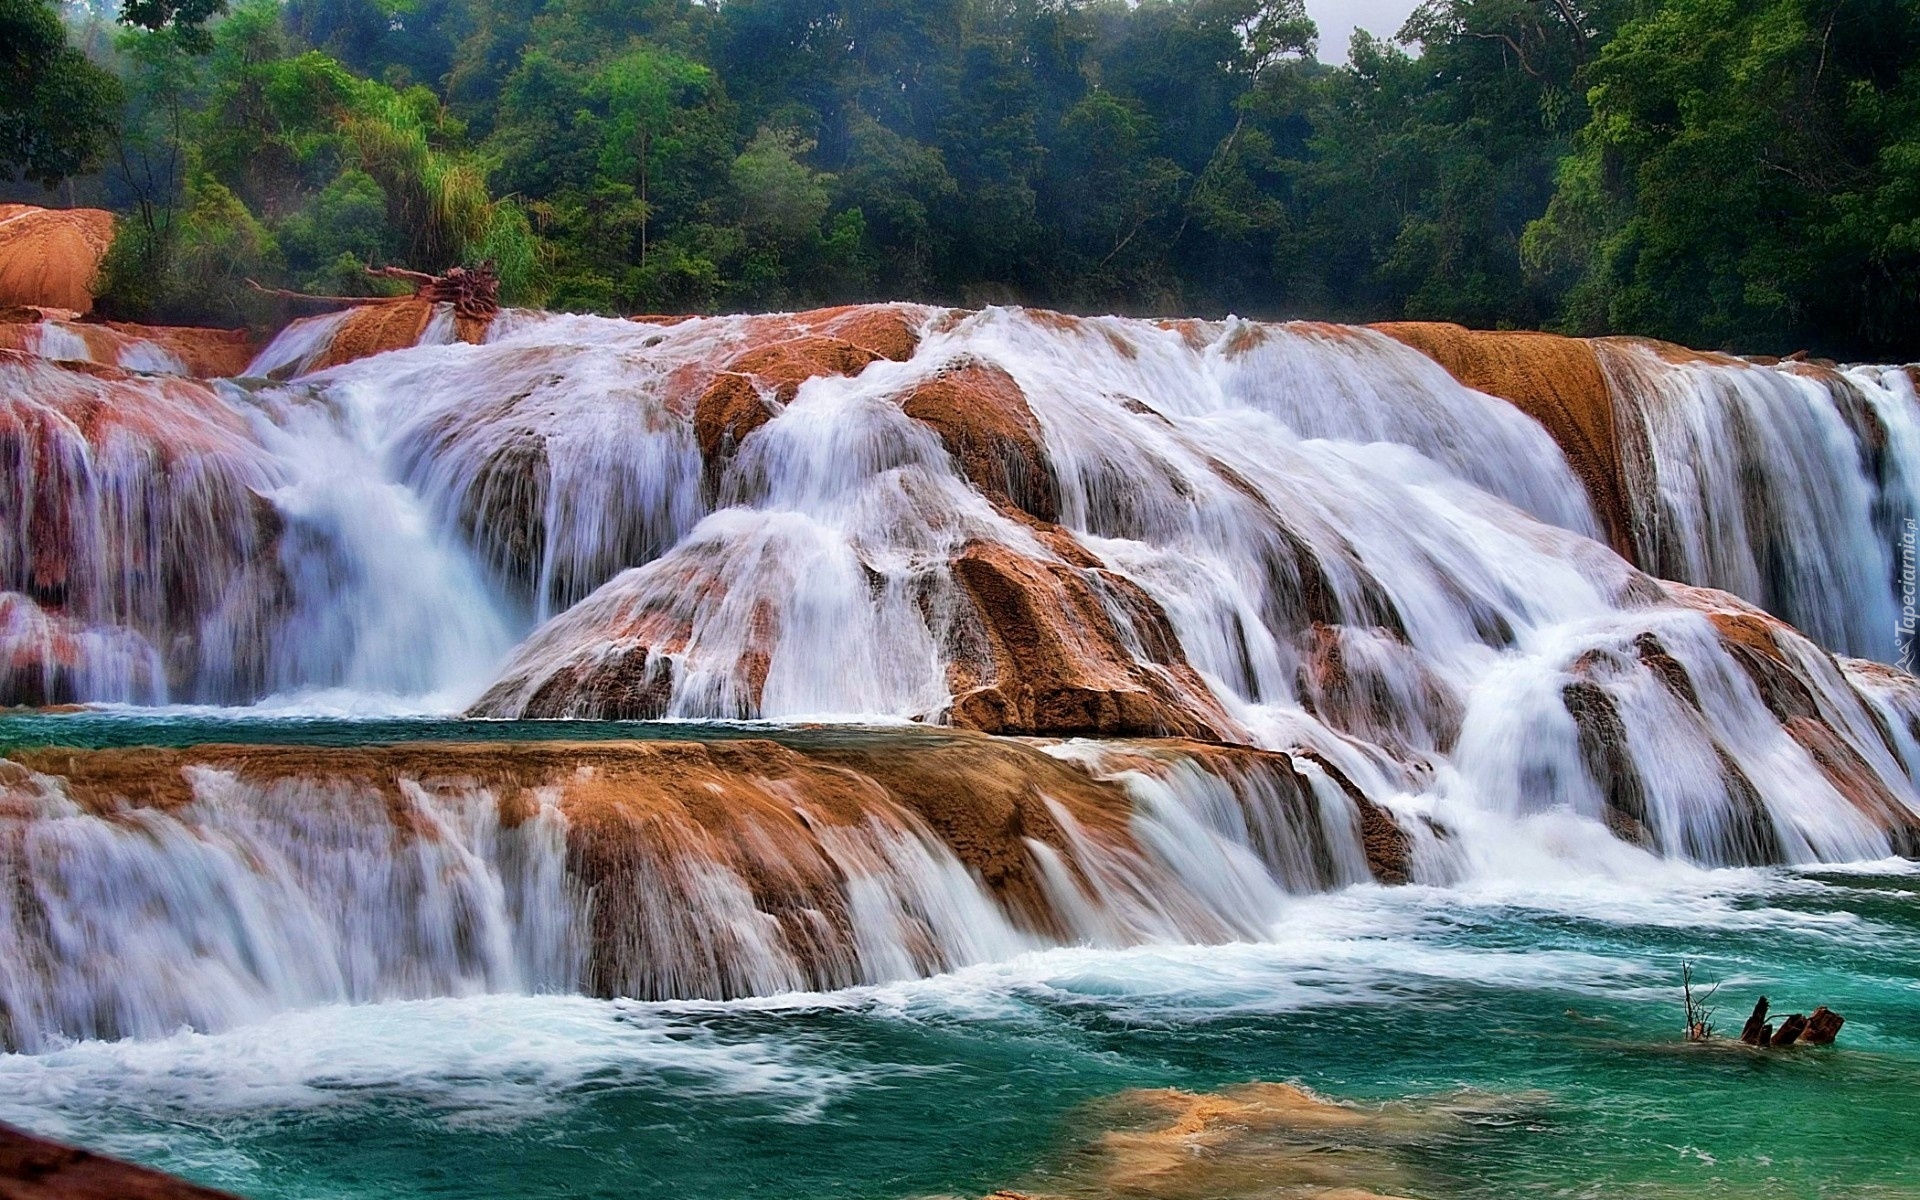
point(57, 110)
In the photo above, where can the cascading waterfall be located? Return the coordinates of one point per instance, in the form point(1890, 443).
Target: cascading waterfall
point(1786, 487)
point(180, 541)
point(256, 899)
point(1306, 538)
point(265, 888)
point(379, 599)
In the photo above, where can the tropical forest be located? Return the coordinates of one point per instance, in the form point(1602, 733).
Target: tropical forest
point(960, 599)
point(1725, 173)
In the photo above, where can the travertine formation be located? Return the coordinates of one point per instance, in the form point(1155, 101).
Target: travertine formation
point(656, 869)
point(1304, 538)
point(1754, 476)
point(34, 1168)
point(49, 257)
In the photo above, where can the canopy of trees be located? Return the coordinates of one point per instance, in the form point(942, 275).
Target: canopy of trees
point(1740, 173)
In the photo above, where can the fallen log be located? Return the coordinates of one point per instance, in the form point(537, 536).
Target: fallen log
point(311, 298)
point(1756, 1032)
point(474, 294)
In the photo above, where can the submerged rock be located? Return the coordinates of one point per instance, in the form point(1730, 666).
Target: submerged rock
point(1255, 1141)
point(35, 1168)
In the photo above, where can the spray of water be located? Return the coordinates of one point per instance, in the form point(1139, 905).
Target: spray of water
point(1302, 537)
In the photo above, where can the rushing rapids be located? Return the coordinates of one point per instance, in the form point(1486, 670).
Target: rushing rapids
point(1383, 624)
point(155, 888)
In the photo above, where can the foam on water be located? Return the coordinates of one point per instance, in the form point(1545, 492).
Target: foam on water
point(963, 1081)
point(1365, 562)
point(475, 1062)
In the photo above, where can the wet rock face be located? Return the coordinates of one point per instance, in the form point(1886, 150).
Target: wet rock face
point(652, 869)
point(375, 329)
point(1558, 382)
point(155, 349)
point(890, 331)
point(1048, 643)
point(1049, 655)
point(1774, 480)
point(137, 515)
point(983, 419)
point(757, 384)
point(49, 257)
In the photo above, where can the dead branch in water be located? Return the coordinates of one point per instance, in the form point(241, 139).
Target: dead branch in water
point(1822, 1027)
point(311, 298)
point(1699, 1014)
point(1817, 1030)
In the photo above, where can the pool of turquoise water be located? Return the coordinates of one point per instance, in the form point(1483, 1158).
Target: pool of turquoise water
point(1554, 1003)
point(1563, 1005)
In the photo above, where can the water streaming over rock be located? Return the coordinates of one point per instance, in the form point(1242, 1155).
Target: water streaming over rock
point(154, 889)
point(1785, 486)
point(1308, 538)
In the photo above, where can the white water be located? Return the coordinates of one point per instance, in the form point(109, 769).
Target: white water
point(257, 899)
point(63, 341)
point(295, 891)
point(387, 530)
point(509, 1063)
point(561, 455)
point(1766, 483)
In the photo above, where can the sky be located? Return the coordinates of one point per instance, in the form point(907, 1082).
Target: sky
point(1337, 19)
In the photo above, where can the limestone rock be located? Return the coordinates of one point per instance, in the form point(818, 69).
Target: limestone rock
point(34, 1168)
point(50, 257)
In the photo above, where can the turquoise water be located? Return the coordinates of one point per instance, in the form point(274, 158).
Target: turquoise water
point(94, 729)
point(1554, 1016)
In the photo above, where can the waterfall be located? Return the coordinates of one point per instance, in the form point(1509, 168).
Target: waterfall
point(252, 899)
point(252, 883)
point(173, 540)
point(1364, 606)
point(1784, 486)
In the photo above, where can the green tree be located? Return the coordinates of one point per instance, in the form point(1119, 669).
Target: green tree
point(1748, 178)
point(645, 90)
point(57, 111)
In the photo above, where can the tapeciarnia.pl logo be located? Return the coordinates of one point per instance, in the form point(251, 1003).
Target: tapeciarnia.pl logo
point(1903, 629)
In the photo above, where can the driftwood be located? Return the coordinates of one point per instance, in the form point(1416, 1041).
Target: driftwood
point(1822, 1027)
point(1790, 1030)
point(1817, 1030)
point(474, 294)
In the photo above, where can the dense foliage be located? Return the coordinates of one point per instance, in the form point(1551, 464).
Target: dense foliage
point(1721, 172)
point(56, 109)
